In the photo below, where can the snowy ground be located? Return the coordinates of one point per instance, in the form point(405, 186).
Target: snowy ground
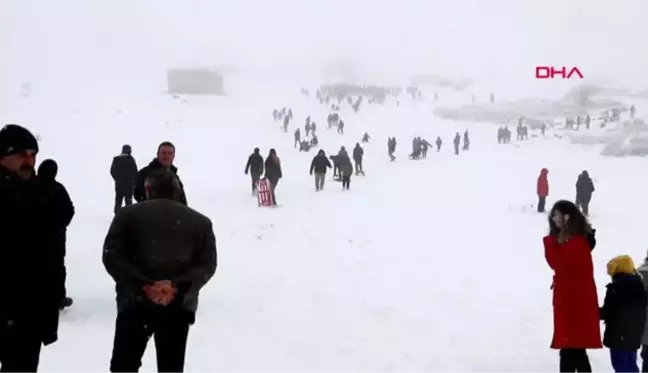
point(434, 265)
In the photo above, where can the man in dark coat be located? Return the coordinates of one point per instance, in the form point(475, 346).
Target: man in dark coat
point(124, 172)
point(164, 159)
point(255, 167)
point(319, 165)
point(160, 254)
point(358, 154)
point(584, 191)
point(62, 207)
point(29, 268)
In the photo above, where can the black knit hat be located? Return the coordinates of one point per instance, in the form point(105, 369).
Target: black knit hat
point(15, 139)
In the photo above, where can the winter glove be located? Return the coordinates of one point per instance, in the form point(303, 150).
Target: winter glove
point(591, 239)
point(49, 339)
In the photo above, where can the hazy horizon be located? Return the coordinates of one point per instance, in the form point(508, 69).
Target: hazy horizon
point(95, 42)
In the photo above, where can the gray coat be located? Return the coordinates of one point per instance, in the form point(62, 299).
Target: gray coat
point(345, 165)
point(157, 240)
point(643, 271)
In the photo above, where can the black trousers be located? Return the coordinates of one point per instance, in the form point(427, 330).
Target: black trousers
point(123, 194)
point(644, 357)
point(583, 204)
point(255, 180)
point(133, 329)
point(273, 187)
point(20, 346)
point(358, 166)
point(542, 201)
point(346, 182)
point(574, 360)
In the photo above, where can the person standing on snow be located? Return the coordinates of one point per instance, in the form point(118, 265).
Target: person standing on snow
point(542, 189)
point(457, 141)
point(254, 166)
point(33, 278)
point(391, 148)
point(624, 313)
point(358, 154)
point(124, 172)
point(62, 209)
point(346, 168)
point(568, 251)
point(584, 191)
point(319, 165)
point(160, 254)
point(273, 173)
point(164, 159)
point(297, 137)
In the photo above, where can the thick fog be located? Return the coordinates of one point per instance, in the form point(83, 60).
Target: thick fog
point(131, 42)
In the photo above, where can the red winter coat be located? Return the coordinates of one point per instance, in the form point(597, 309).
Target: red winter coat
point(543, 183)
point(575, 301)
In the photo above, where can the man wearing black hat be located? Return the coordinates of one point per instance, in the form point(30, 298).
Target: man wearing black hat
point(164, 159)
point(124, 172)
point(30, 272)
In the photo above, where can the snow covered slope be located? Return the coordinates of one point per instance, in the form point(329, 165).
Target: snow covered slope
point(432, 265)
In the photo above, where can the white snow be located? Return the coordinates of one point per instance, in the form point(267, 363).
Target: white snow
point(433, 265)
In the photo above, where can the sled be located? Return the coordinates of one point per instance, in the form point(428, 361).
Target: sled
point(264, 195)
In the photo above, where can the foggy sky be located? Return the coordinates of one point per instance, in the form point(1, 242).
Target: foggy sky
point(501, 40)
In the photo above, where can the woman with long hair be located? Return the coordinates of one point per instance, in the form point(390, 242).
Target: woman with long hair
point(568, 250)
point(273, 173)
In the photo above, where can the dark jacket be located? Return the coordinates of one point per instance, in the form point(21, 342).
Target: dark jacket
point(624, 312)
point(320, 163)
point(358, 152)
point(124, 171)
point(140, 191)
point(344, 163)
point(273, 169)
point(59, 202)
point(29, 269)
point(643, 271)
point(254, 164)
point(584, 187)
point(158, 240)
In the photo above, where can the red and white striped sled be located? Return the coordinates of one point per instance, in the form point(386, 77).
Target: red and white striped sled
point(264, 195)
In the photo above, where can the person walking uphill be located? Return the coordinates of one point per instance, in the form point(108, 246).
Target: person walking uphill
point(30, 270)
point(273, 172)
point(568, 248)
point(124, 172)
point(358, 154)
point(542, 189)
point(254, 166)
point(624, 313)
point(160, 254)
point(319, 165)
point(62, 212)
point(164, 159)
point(346, 168)
point(584, 190)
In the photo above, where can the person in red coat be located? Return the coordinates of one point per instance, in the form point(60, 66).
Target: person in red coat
point(568, 250)
point(542, 189)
